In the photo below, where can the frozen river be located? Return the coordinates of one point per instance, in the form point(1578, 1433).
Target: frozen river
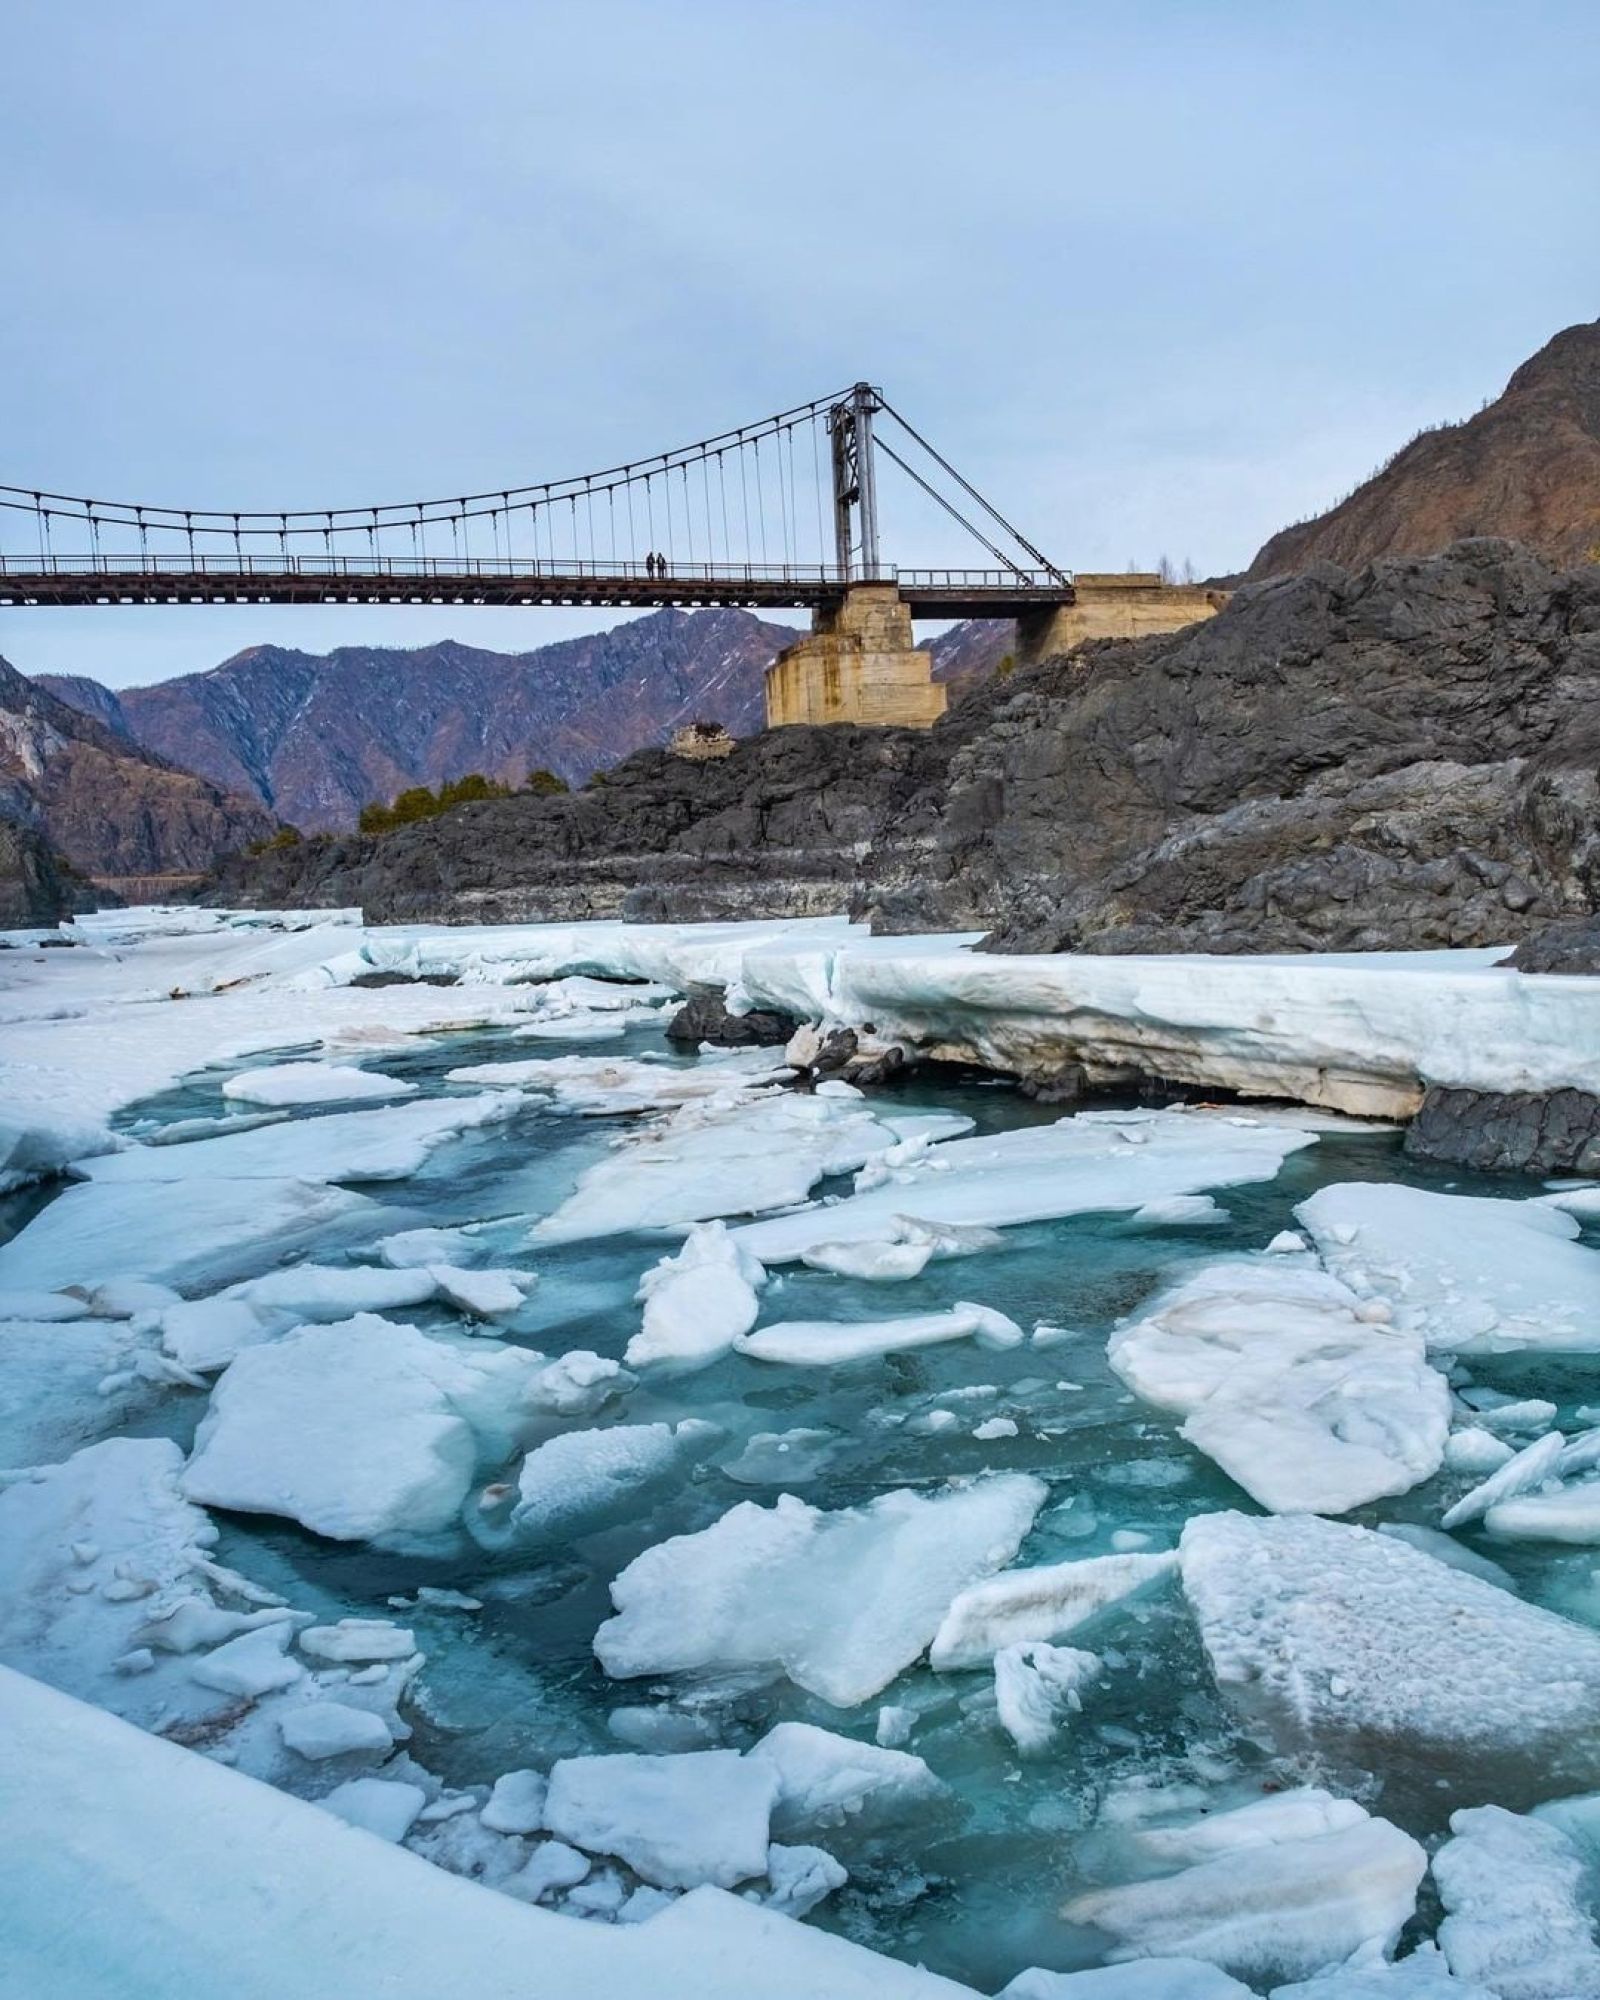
point(922, 1341)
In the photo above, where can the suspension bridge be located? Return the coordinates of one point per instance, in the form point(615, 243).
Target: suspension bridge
point(778, 514)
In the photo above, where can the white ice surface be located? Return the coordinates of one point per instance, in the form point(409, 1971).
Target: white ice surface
point(1036, 1687)
point(828, 1343)
point(577, 1482)
point(825, 1779)
point(1283, 1377)
point(363, 1429)
point(1334, 1636)
point(302, 1083)
point(841, 1602)
point(1421, 1975)
point(1042, 1603)
point(1282, 1890)
point(302, 1900)
point(697, 1303)
point(678, 1821)
point(1473, 1275)
point(1518, 1915)
point(1144, 1979)
point(1093, 1162)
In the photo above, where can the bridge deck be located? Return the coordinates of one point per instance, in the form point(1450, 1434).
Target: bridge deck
point(74, 580)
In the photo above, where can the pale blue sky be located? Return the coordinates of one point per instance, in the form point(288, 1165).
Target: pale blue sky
point(1162, 277)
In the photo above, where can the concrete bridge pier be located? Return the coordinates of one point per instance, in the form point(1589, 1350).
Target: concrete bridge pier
point(1113, 605)
point(859, 663)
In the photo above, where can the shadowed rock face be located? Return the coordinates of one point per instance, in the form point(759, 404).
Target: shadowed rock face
point(89, 795)
point(1527, 467)
point(1408, 756)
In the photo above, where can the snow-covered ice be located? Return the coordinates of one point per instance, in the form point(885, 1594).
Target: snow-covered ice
point(841, 1602)
point(1339, 1638)
point(1291, 1383)
point(1519, 1911)
point(578, 1481)
point(301, 1083)
point(1473, 1275)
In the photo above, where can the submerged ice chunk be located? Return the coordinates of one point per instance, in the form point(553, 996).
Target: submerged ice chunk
point(841, 1602)
point(678, 1821)
point(1517, 1917)
point(801, 1877)
point(822, 1343)
point(1036, 1686)
point(577, 1482)
point(698, 1303)
point(1282, 1377)
point(1046, 1602)
point(1471, 1274)
point(1342, 1639)
point(361, 1429)
point(1281, 1890)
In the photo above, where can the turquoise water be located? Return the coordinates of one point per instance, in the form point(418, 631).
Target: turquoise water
point(971, 1888)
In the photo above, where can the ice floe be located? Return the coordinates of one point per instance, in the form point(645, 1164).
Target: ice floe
point(1518, 1911)
point(1037, 1686)
point(1286, 1888)
point(1093, 1162)
point(697, 1303)
point(827, 1343)
point(1297, 1388)
point(367, 1428)
point(1044, 1603)
point(701, 1816)
point(841, 1602)
point(578, 1481)
point(825, 1780)
point(1345, 1640)
point(1473, 1275)
point(302, 1083)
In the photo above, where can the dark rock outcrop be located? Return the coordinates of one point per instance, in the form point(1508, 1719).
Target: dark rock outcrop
point(1573, 945)
point(35, 888)
point(1404, 757)
point(1526, 467)
point(1513, 1132)
point(704, 1017)
point(109, 808)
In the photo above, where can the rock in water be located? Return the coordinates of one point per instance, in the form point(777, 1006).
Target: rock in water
point(1354, 1644)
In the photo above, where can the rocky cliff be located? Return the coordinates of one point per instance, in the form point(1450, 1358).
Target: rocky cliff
point(1404, 756)
point(79, 790)
point(315, 737)
point(1527, 467)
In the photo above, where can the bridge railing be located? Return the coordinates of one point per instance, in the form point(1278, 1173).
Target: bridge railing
point(815, 576)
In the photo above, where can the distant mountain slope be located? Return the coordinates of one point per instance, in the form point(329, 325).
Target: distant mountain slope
point(317, 736)
point(1526, 468)
point(97, 799)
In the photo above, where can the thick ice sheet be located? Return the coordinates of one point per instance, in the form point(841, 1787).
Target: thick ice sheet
point(841, 1602)
point(288, 1887)
point(363, 1429)
point(1296, 1387)
point(1094, 1162)
point(1518, 1913)
point(709, 1159)
point(1287, 1888)
point(1473, 1275)
point(1349, 1641)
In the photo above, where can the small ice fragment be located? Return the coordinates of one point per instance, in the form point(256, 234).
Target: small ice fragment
point(383, 1806)
point(331, 1729)
point(516, 1805)
point(995, 1427)
point(253, 1664)
point(358, 1639)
